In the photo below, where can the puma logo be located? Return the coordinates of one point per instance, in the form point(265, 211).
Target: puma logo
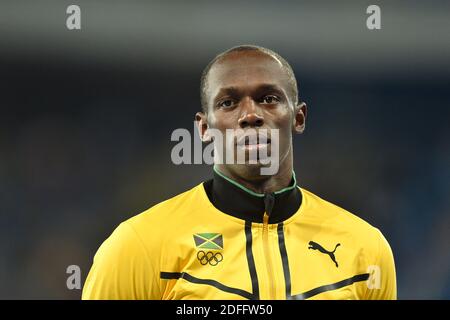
point(315, 246)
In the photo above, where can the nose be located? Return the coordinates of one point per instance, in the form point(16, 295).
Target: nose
point(250, 116)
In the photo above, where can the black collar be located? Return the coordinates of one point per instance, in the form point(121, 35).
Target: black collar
point(233, 199)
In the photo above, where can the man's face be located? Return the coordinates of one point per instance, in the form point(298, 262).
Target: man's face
point(251, 90)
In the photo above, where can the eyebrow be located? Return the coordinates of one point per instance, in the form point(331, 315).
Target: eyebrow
point(228, 90)
point(233, 91)
point(270, 87)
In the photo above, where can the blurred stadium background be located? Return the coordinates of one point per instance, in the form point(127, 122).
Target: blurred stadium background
point(86, 118)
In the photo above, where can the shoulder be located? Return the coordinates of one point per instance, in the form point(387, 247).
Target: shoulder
point(338, 220)
point(151, 227)
point(169, 210)
point(144, 232)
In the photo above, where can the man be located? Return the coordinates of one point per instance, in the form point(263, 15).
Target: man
point(245, 235)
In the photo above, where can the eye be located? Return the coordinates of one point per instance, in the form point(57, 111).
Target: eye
point(270, 99)
point(226, 103)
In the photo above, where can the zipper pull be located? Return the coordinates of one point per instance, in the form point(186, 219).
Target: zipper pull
point(269, 200)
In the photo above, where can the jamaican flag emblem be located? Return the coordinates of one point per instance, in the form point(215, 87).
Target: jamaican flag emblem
point(212, 241)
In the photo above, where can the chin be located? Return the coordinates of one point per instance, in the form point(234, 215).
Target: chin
point(249, 171)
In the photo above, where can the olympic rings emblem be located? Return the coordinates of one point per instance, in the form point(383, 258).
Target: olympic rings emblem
point(209, 257)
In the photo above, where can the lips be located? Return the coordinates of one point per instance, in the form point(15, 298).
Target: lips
point(253, 140)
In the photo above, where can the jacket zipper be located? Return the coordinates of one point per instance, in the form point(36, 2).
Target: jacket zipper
point(269, 200)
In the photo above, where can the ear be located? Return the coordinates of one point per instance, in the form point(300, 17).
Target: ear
point(202, 126)
point(300, 113)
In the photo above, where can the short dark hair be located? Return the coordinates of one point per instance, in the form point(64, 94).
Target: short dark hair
point(284, 63)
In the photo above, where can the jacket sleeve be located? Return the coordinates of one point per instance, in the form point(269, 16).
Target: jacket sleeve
point(122, 269)
point(382, 283)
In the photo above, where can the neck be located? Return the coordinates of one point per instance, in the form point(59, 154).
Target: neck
point(258, 183)
point(235, 199)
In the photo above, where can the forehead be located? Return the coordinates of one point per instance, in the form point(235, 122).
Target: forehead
point(246, 70)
